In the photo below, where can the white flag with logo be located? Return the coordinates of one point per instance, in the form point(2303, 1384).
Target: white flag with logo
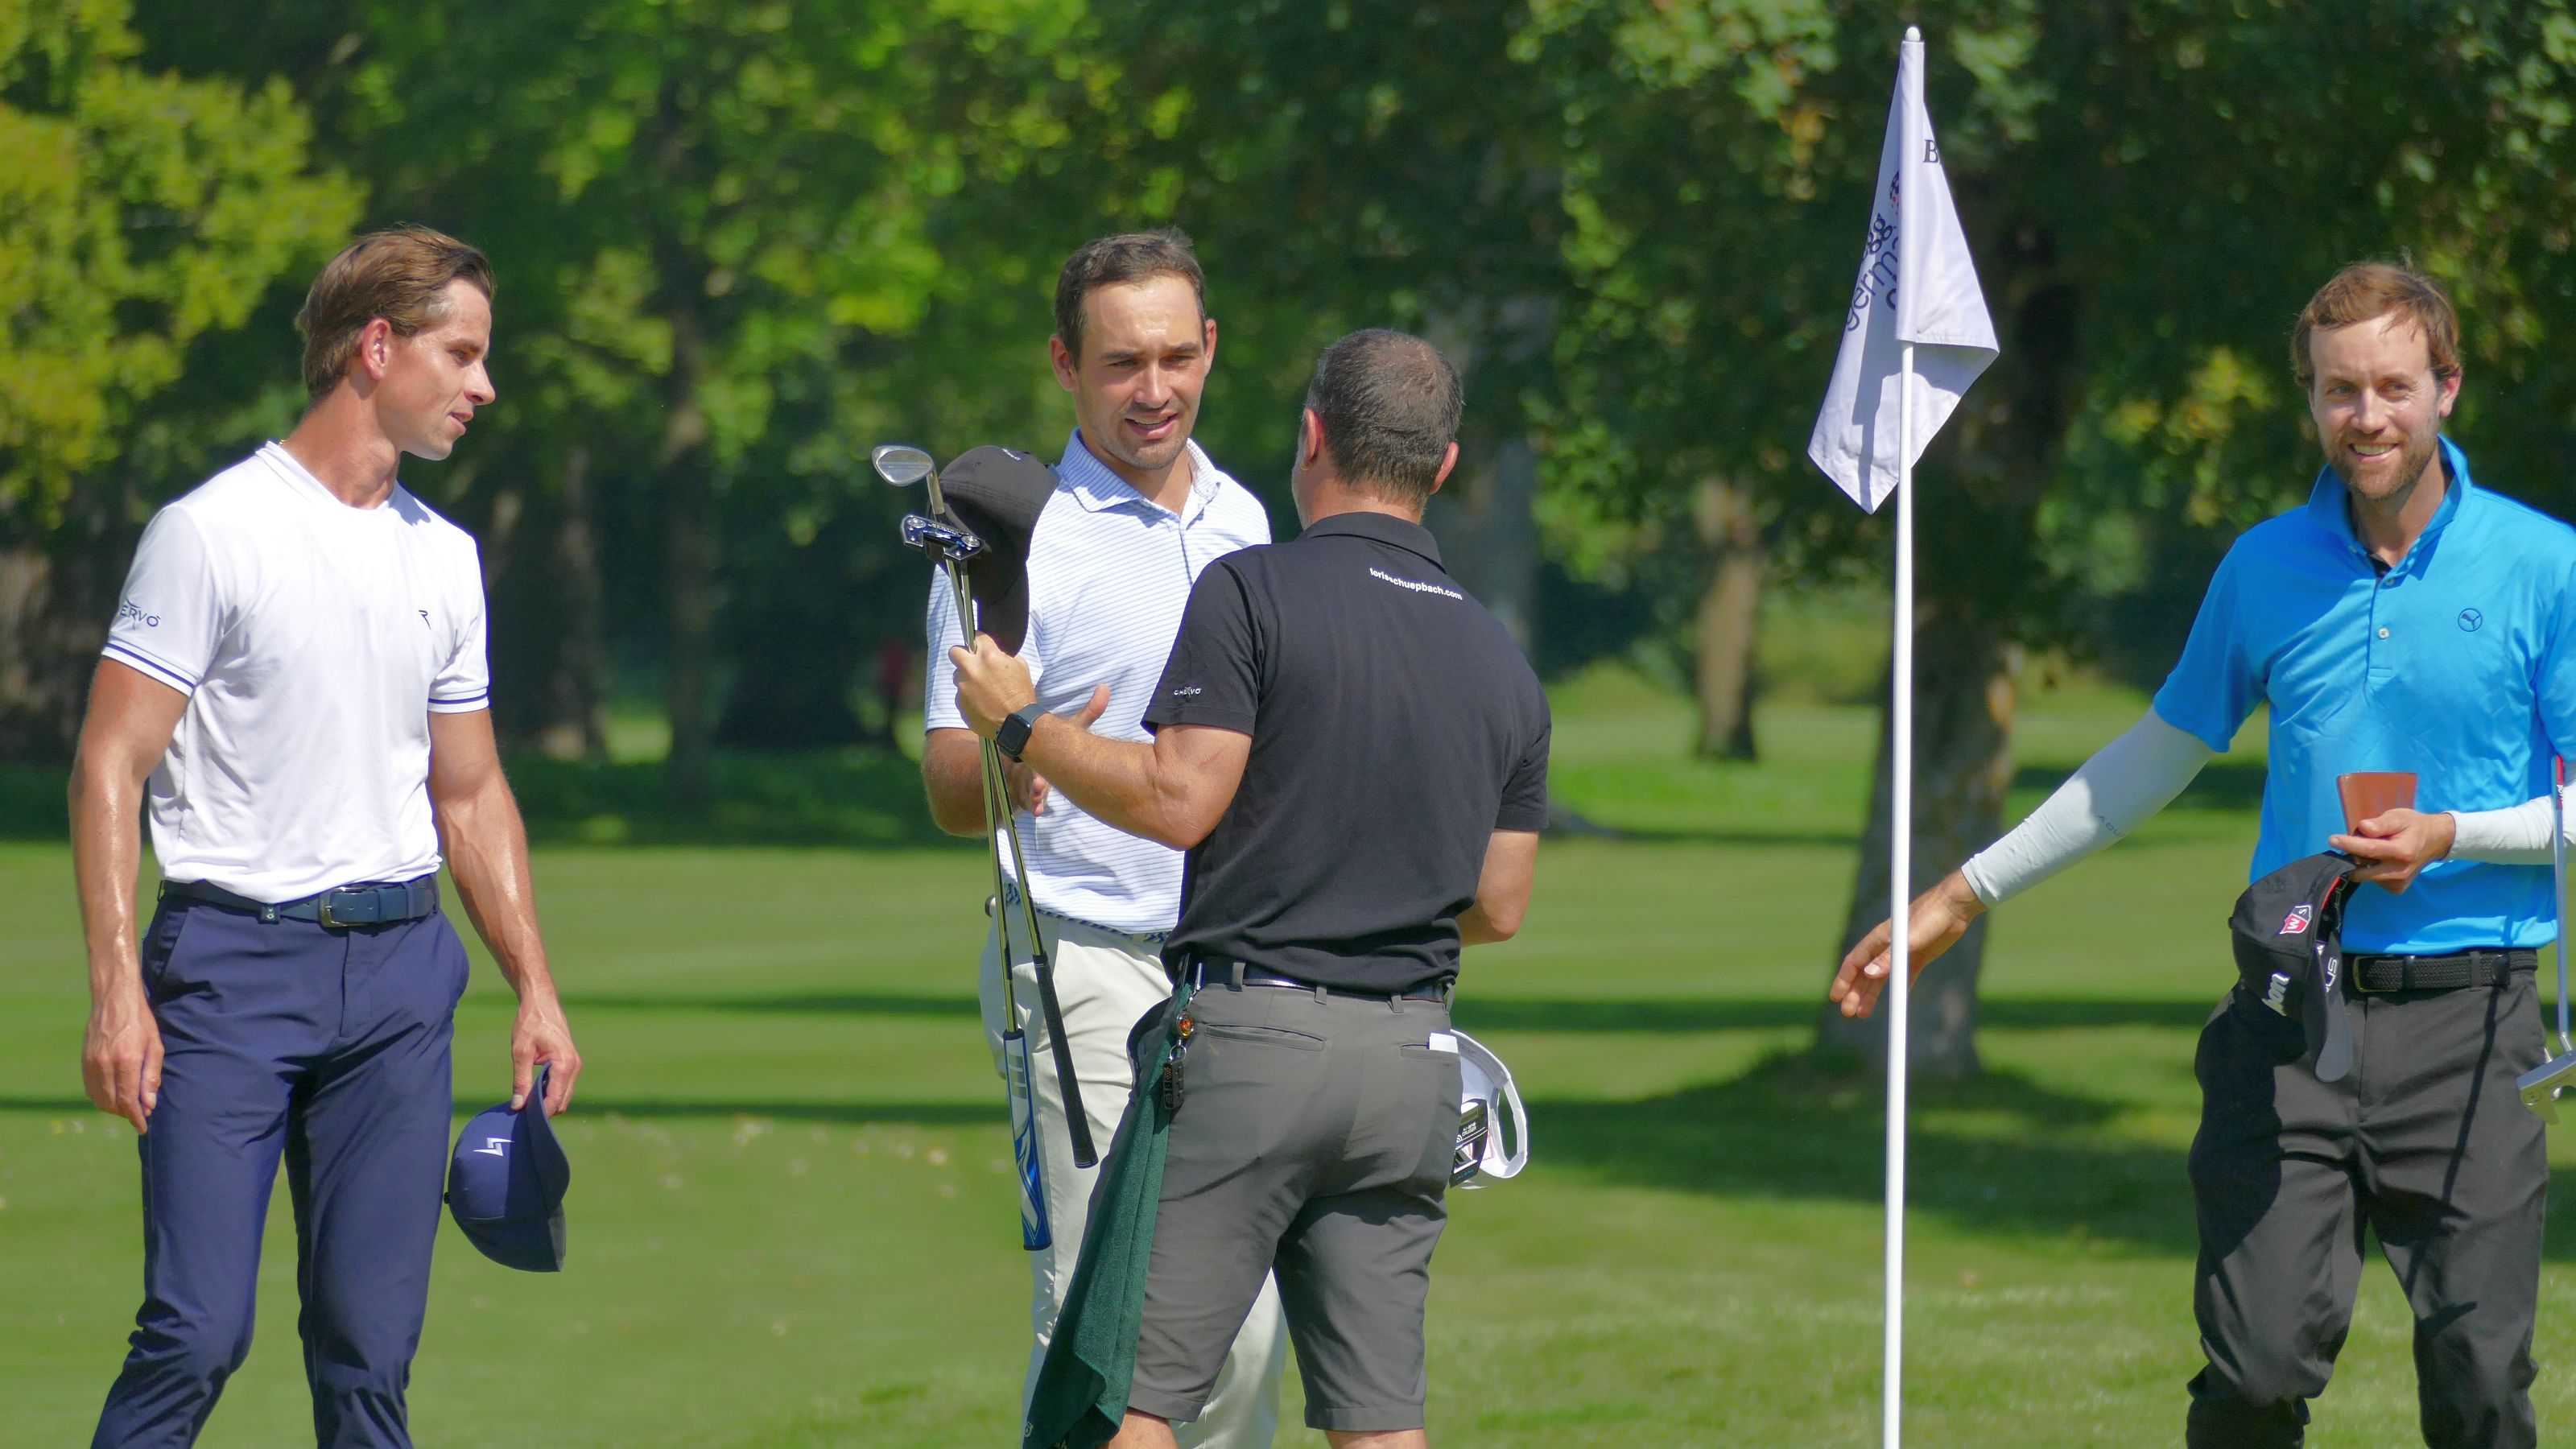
point(1917, 284)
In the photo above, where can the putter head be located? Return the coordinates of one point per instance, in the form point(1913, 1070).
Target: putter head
point(2541, 1085)
point(942, 541)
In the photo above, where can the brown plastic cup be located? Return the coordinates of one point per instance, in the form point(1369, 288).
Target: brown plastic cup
point(2374, 792)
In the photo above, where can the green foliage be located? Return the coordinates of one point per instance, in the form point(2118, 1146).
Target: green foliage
point(138, 212)
point(2152, 192)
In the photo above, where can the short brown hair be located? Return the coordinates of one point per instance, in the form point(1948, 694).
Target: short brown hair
point(1124, 259)
point(400, 275)
point(1389, 403)
point(2368, 290)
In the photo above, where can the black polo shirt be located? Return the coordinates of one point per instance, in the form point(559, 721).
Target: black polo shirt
point(1395, 727)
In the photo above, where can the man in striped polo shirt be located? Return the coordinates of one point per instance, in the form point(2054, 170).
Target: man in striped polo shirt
point(1139, 510)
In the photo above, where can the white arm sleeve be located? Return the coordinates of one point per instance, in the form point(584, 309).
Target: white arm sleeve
point(2126, 781)
point(2515, 835)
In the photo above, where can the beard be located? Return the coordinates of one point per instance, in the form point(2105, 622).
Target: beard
point(2413, 456)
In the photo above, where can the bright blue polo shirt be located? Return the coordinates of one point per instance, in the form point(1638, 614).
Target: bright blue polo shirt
point(2458, 665)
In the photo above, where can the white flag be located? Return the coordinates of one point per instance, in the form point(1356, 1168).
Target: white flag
point(1917, 284)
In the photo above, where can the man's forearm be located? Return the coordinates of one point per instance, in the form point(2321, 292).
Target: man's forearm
point(107, 855)
point(1117, 781)
point(487, 852)
point(952, 780)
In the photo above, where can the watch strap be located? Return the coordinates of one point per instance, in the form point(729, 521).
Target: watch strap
point(1013, 736)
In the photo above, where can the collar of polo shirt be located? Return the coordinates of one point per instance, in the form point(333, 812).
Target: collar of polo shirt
point(1096, 487)
point(2329, 504)
point(1384, 528)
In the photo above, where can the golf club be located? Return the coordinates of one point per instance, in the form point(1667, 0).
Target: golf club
point(953, 547)
point(948, 547)
point(2541, 1085)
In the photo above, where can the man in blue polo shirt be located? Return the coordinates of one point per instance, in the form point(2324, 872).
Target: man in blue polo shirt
point(2403, 619)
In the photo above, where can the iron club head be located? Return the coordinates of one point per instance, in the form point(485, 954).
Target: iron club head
point(2541, 1085)
point(903, 465)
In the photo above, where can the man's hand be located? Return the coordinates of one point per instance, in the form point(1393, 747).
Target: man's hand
point(540, 1035)
point(991, 685)
point(1029, 788)
point(2396, 844)
point(1938, 918)
point(121, 1056)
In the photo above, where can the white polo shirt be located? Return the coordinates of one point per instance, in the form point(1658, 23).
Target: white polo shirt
point(1109, 574)
point(313, 641)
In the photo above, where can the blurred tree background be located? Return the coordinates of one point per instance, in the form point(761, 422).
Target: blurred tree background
point(739, 241)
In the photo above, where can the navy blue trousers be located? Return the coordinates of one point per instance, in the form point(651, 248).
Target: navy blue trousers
point(328, 1049)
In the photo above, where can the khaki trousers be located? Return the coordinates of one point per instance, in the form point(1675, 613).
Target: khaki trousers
point(1105, 981)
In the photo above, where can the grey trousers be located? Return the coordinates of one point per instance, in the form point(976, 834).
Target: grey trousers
point(2426, 1146)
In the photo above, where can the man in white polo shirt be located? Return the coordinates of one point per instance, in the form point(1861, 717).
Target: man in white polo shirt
point(1139, 511)
point(294, 685)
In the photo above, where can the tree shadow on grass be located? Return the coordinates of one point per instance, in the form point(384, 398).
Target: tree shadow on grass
point(1654, 1015)
point(839, 1114)
point(1791, 1128)
point(846, 1003)
point(599, 1109)
point(2220, 785)
point(1996, 1154)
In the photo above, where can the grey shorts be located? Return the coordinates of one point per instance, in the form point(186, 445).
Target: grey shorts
point(1314, 1140)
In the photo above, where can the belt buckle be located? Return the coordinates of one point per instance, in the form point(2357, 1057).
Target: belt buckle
point(323, 914)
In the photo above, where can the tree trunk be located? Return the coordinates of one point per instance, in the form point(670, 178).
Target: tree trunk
point(1981, 580)
point(1963, 714)
point(1728, 610)
point(41, 691)
point(688, 518)
point(574, 726)
point(1488, 537)
point(58, 591)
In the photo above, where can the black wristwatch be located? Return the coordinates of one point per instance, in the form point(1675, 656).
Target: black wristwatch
point(1013, 736)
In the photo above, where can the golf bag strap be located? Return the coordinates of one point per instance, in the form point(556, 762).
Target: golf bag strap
point(2490, 967)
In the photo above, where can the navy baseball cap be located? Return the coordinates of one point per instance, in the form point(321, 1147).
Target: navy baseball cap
point(2288, 934)
point(506, 1181)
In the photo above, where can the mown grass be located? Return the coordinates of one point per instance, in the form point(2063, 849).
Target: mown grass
point(791, 1223)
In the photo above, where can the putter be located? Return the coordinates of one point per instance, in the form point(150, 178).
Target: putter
point(2541, 1085)
point(953, 548)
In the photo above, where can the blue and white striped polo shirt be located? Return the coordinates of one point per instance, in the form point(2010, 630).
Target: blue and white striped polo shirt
point(1109, 574)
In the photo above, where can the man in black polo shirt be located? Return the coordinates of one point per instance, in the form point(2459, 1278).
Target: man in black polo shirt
point(1354, 754)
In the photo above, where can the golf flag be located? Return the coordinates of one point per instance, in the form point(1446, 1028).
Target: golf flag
point(1917, 284)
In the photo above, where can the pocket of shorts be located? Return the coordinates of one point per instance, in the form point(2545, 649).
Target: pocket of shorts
point(1267, 1035)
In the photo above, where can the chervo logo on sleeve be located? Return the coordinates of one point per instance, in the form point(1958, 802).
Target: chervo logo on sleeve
point(133, 611)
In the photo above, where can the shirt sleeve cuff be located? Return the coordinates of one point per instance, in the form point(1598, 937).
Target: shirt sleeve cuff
point(2217, 739)
point(461, 702)
point(127, 654)
point(1213, 716)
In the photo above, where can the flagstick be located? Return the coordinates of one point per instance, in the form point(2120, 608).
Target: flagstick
point(1900, 873)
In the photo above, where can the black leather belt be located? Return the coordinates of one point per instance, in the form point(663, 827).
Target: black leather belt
point(1264, 978)
point(371, 904)
point(2375, 974)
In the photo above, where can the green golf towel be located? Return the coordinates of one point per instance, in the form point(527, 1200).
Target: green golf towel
point(1081, 1394)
